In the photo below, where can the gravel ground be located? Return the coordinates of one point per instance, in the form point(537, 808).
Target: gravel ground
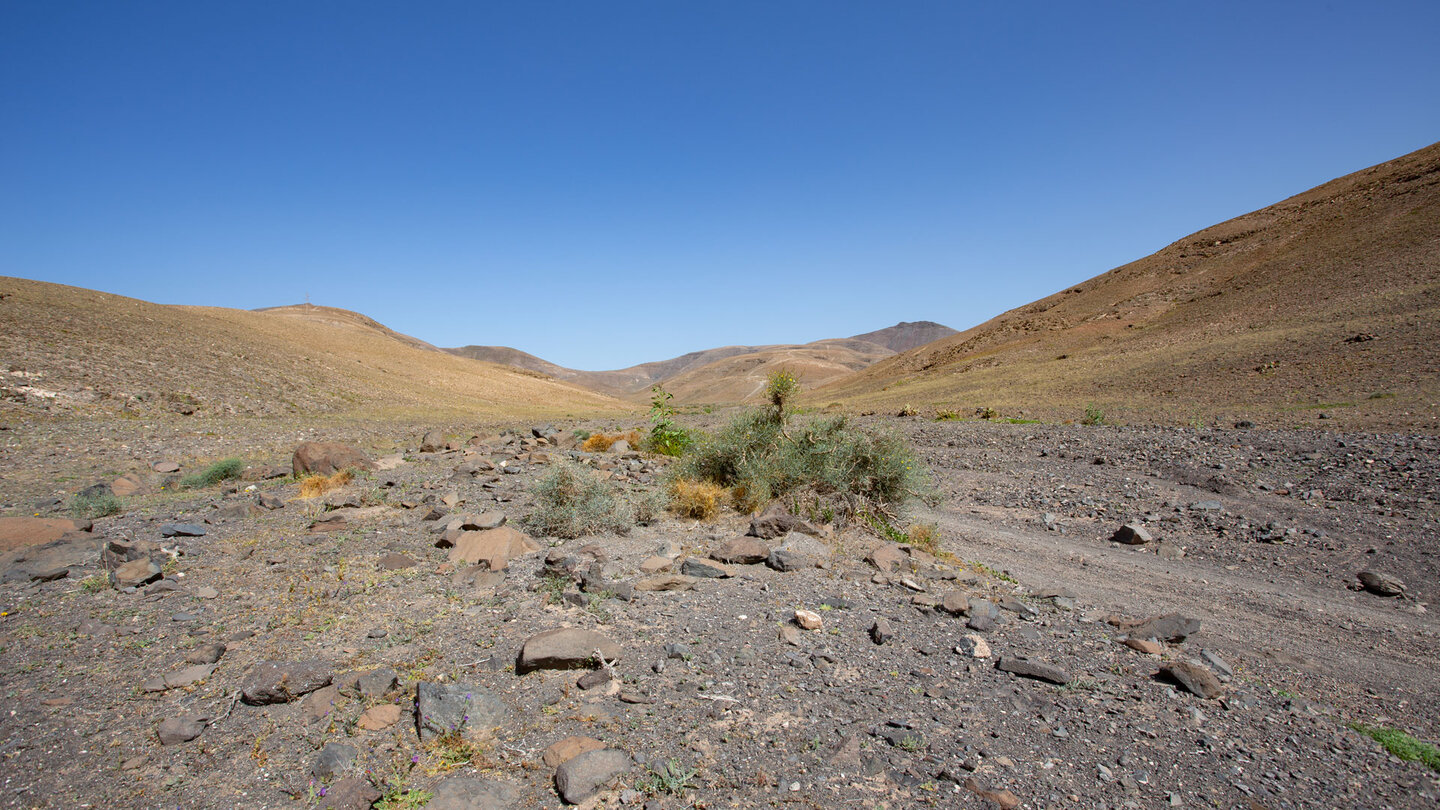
point(1256, 535)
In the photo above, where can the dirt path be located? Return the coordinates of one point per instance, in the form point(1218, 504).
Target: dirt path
point(1331, 645)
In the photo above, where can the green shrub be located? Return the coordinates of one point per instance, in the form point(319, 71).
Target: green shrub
point(1402, 745)
point(95, 505)
point(764, 454)
point(214, 474)
point(1093, 416)
point(666, 437)
point(571, 501)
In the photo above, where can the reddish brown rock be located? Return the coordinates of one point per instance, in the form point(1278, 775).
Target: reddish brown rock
point(24, 532)
point(326, 458)
point(492, 547)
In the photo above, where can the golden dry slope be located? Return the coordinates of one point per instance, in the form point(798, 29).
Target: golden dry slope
point(1327, 302)
point(65, 349)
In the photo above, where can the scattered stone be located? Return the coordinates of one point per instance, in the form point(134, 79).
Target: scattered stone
point(656, 564)
point(1145, 645)
point(469, 793)
point(889, 558)
point(319, 704)
point(1381, 584)
point(808, 619)
point(581, 776)
point(775, 522)
point(327, 458)
point(269, 501)
point(165, 467)
point(127, 485)
point(1194, 678)
point(955, 603)
point(283, 681)
point(333, 760)
point(1171, 627)
point(470, 709)
point(433, 442)
point(182, 530)
point(742, 551)
point(595, 679)
point(1002, 798)
point(1131, 534)
point(667, 582)
point(1217, 664)
point(135, 573)
point(492, 547)
point(881, 631)
point(706, 569)
point(1016, 665)
point(206, 653)
point(24, 532)
point(973, 646)
point(783, 559)
point(176, 730)
point(567, 749)
point(379, 718)
point(396, 562)
point(565, 648)
point(351, 793)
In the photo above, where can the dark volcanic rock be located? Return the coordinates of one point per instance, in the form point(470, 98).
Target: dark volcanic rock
point(1033, 669)
point(470, 709)
point(283, 681)
point(325, 458)
point(579, 777)
point(1194, 678)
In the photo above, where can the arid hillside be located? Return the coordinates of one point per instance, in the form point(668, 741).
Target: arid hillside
point(66, 350)
point(1323, 306)
point(730, 374)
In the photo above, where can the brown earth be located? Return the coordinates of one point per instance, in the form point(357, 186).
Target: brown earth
point(1257, 534)
point(69, 350)
point(1325, 303)
point(730, 374)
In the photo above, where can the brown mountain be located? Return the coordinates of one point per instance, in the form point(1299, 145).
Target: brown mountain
point(74, 351)
point(730, 373)
point(1325, 303)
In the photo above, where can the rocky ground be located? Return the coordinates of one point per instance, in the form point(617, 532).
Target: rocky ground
point(326, 653)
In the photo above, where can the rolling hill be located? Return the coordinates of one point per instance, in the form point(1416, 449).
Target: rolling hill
point(1324, 304)
point(69, 350)
point(730, 374)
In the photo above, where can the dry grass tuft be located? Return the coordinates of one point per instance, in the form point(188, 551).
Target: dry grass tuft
point(601, 442)
point(696, 499)
point(317, 485)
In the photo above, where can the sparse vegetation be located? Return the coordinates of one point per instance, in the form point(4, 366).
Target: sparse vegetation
point(88, 506)
point(673, 778)
point(571, 501)
point(1093, 416)
point(1402, 745)
point(223, 470)
point(948, 416)
point(601, 442)
point(452, 750)
point(699, 500)
point(666, 437)
point(764, 454)
point(316, 485)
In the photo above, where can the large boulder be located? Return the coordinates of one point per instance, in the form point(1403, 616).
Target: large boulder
point(492, 547)
point(565, 648)
point(469, 709)
point(24, 532)
point(283, 681)
point(327, 458)
point(777, 522)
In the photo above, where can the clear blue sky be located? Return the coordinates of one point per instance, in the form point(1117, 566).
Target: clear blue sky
point(607, 183)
